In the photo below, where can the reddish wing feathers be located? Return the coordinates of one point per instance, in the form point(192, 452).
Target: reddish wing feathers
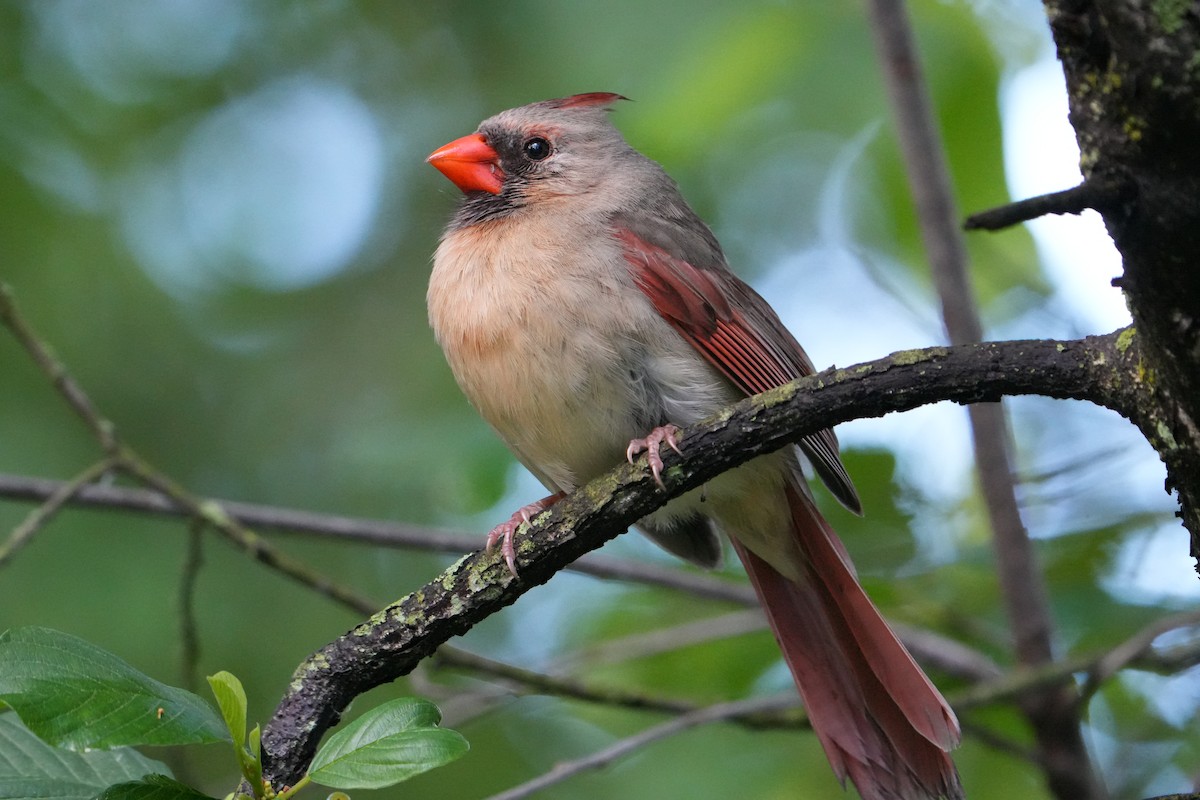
point(690, 299)
point(743, 339)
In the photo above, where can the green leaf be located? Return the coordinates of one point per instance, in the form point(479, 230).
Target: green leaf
point(30, 768)
point(252, 769)
point(76, 695)
point(387, 745)
point(152, 787)
point(231, 700)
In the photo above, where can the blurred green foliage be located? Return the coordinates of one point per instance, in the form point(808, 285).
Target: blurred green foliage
point(217, 213)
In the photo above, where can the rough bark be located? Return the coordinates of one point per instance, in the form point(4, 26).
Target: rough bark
point(1133, 79)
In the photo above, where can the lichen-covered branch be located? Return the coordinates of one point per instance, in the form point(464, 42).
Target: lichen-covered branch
point(391, 643)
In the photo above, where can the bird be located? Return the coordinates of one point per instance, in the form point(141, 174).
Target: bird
point(590, 315)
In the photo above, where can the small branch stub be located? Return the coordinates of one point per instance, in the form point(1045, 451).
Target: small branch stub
point(1091, 194)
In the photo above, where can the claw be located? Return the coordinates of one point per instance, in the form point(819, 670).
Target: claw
point(651, 445)
point(505, 532)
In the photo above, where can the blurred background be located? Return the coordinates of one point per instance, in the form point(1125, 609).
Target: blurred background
point(218, 214)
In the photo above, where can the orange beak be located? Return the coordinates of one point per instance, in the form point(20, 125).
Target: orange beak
point(470, 163)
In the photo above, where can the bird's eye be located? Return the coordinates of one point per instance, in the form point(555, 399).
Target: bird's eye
point(536, 148)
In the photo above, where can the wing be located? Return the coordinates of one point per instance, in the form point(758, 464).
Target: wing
point(684, 274)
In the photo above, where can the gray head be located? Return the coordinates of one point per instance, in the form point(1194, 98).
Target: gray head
point(538, 152)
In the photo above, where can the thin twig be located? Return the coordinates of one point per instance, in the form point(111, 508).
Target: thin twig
point(1003, 744)
point(255, 515)
point(1135, 646)
point(247, 540)
point(569, 769)
point(1090, 194)
point(662, 640)
point(43, 356)
point(532, 682)
point(1067, 201)
point(368, 531)
point(126, 460)
point(937, 651)
point(54, 502)
point(189, 636)
point(1026, 680)
point(680, 578)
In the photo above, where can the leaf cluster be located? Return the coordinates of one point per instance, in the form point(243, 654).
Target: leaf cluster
point(82, 711)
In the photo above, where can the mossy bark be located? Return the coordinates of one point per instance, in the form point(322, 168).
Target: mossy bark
point(1133, 79)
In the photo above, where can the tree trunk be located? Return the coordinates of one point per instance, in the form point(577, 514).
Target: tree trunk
point(1133, 78)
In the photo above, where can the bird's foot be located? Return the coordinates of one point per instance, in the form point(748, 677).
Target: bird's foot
point(651, 445)
point(506, 531)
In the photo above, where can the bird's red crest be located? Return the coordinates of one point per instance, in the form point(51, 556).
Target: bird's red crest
point(587, 100)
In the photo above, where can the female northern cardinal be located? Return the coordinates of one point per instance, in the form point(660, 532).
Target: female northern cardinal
point(586, 311)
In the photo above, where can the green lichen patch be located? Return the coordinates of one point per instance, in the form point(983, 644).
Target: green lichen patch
point(1170, 14)
point(1125, 339)
point(906, 358)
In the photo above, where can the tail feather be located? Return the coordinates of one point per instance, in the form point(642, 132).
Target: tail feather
point(880, 721)
point(891, 662)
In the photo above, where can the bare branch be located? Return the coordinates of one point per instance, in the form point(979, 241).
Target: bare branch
point(48, 363)
point(52, 504)
point(1090, 194)
point(1026, 680)
point(532, 682)
point(245, 539)
point(928, 174)
point(664, 640)
point(361, 530)
point(1134, 647)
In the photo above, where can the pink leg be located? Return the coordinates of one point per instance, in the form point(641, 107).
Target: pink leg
point(651, 445)
point(505, 531)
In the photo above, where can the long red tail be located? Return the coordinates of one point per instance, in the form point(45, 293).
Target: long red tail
point(880, 720)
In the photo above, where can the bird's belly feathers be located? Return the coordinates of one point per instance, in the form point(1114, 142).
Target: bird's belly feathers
point(566, 381)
